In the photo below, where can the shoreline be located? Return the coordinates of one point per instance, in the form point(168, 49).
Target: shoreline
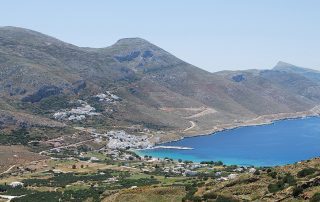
point(280, 163)
point(169, 147)
point(258, 121)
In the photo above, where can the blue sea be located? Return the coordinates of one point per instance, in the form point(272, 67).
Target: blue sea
point(282, 142)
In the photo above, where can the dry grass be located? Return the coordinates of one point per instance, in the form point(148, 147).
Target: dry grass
point(16, 155)
point(147, 194)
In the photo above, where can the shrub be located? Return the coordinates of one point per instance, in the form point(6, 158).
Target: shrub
point(315, 197)
point(219, 163)
point(210, 195)
point(287, 179)
point(191, 188)
point(61, 180)
point(4, 188)
point(297, 191)
point(275, 187)
point(126, 183)
point(257, 172)
point(192, 198)
point(54, 103)
point(226, 199)
point(196, 199)
point(272, 174)
point(131, 158)
point(305, 172)
point(18, 136)
point(40, 196)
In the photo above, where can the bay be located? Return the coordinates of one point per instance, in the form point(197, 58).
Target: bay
point(282, 142)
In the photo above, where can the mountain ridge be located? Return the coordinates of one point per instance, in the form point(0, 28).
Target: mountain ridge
point(158, 90)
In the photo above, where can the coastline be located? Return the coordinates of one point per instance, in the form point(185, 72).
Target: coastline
point(283, 117)
point(169, 147)
point(258, 121)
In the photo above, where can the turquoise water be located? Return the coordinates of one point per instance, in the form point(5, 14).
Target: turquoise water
point(283, 142)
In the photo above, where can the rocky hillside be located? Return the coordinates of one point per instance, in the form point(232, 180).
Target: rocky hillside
point(134, 82)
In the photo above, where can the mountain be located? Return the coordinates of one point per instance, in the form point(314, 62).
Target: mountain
point(41, 75)
point(311, 74)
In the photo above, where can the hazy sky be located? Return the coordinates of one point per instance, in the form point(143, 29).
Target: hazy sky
point(211, 34)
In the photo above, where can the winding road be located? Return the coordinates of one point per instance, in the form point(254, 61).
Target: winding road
point(8, 170)
point(193, 124)
point(202, 113)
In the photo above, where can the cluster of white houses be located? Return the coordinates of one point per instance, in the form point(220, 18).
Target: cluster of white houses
point(76, 114)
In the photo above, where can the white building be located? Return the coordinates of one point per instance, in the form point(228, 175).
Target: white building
point(16, 184)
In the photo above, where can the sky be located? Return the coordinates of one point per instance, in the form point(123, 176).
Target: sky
point(211, 34)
